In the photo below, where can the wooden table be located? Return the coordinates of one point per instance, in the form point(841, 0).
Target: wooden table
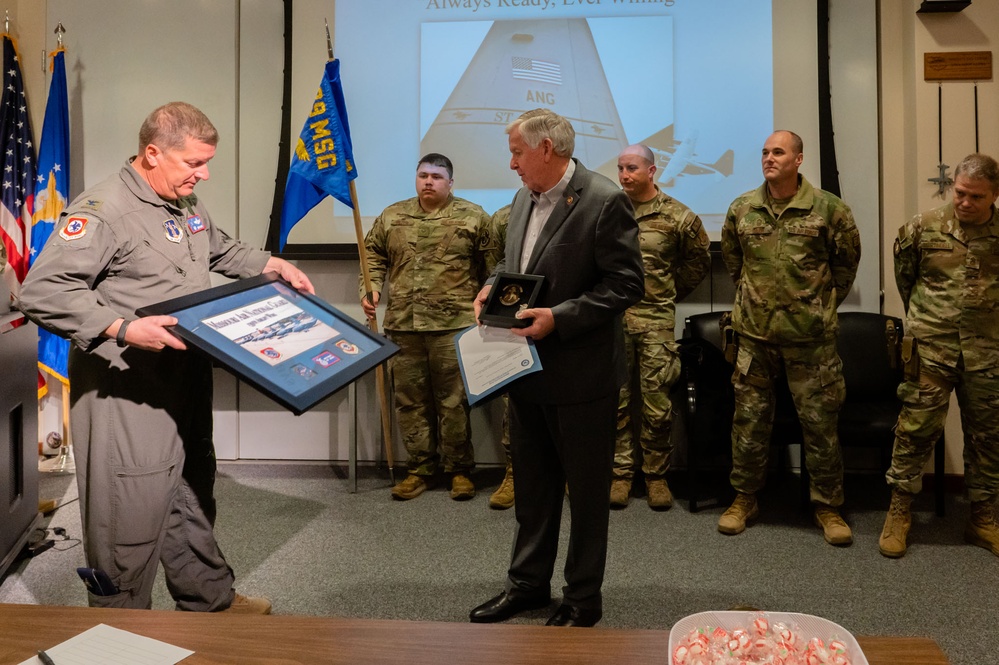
point(300, 640)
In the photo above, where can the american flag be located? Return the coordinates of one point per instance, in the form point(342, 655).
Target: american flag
point(17, 190)
point(530, 69)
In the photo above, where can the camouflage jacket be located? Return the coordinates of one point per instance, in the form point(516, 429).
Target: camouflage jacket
point(791, 270)
point(675, 256)
point(494, 245)
point(948, 276)
point(432, 262)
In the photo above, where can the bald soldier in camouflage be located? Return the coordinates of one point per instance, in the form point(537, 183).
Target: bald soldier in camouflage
point(793, 252)
point(495, 247)
point(947, 272)
point(675, 256)
point(429, 251)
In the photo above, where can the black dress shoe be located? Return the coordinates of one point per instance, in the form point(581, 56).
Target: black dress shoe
point(505, 605)
point(581, 617)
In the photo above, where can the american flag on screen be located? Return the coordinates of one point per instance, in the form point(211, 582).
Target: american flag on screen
point(530, 69)
point(17, 187)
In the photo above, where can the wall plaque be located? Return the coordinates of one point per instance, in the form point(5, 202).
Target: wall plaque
point(958, 66)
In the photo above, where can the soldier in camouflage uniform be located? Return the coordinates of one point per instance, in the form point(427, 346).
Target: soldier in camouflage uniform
point(675, 256)
point(428, 250)
point(503, 497)
point(793, 252)
point(947, 272)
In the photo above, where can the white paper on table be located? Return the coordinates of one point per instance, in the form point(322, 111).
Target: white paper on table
point(492, 357)
point(104, 645)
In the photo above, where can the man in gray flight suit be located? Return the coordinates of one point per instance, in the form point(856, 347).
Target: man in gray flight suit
point(141, 412)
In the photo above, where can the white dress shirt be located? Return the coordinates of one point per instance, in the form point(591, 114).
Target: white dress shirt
point(544, 203)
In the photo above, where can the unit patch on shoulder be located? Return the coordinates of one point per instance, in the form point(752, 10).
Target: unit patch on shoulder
point(173, 232)
point(195, 224)
point(76, 227)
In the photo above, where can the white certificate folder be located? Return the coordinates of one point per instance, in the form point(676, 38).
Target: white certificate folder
point(491, 358)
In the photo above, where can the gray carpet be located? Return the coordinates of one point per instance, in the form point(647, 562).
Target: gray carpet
point(294, 533)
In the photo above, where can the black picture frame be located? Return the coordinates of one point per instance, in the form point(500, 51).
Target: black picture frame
point(294, 347)
point(499, 310)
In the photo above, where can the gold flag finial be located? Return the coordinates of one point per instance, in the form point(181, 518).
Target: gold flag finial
point(329, 42)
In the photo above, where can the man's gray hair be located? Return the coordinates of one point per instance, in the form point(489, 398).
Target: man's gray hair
point(169, 127)
point(540, 124)
point(979, 167)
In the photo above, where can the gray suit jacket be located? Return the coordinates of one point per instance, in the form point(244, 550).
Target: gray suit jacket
point(589, 255)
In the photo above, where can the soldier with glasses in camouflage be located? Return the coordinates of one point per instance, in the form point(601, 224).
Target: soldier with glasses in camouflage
point(793, 252)
point(947, 272)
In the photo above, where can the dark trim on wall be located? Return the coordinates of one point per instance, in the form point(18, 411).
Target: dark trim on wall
point(321, 251)
point(827, 143)
point(284, 144)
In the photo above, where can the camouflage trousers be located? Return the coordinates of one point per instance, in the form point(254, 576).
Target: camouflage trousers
point(505, 435)
point(815, 378)
point(430, 402)
point(504, 401)
point(653, 367)
point(921, 422)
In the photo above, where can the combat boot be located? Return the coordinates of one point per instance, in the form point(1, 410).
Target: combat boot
point(409, 488)
point(743, 509)
point(897, 523)
point(503, 497)
point(462, 488)
point(834, 529)
point(248, 605)
point(659, 496)
point(983, 529)
point(620, 493)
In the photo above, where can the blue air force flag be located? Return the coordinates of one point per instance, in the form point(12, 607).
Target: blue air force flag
point(51, 197)
point(323, 163)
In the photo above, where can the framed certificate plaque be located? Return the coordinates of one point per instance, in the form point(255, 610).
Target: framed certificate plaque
point(294, 347)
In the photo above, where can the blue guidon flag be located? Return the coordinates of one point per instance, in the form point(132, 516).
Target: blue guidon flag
point(51, 198)
point(323, 164)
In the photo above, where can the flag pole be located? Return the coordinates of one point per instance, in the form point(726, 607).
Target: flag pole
point(380, 383)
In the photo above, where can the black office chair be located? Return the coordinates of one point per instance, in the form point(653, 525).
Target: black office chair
point(706, 403)
point(710, 404)
point(867, 418)
point(871, 409)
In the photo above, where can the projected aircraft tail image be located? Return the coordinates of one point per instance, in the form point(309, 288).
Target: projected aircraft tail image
point(522, 65)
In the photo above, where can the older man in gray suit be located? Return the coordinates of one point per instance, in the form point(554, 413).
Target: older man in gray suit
point(577, 229)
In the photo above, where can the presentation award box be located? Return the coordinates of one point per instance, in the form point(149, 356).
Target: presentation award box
point(511, 293)
point(294, 347)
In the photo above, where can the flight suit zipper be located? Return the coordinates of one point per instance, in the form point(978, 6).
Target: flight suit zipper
point(169, 260)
